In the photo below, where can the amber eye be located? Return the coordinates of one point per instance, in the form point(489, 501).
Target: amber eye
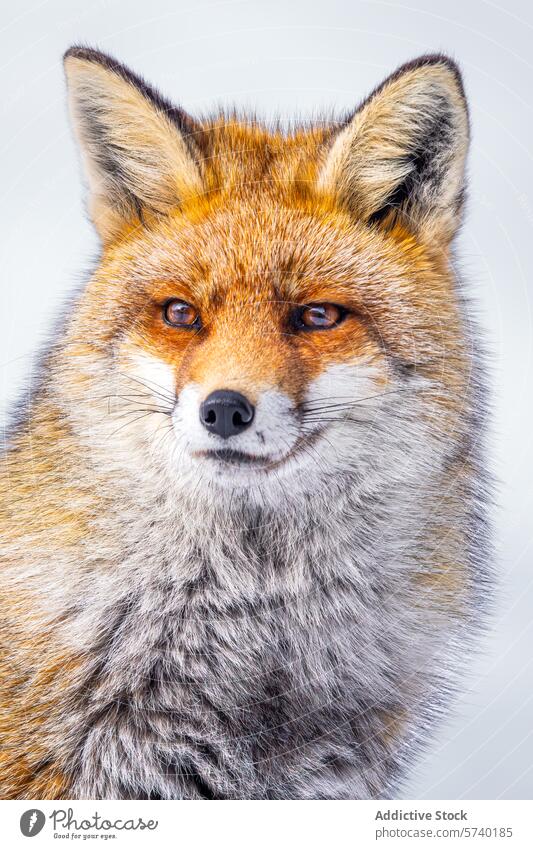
point(319, 316)
point(180, 314)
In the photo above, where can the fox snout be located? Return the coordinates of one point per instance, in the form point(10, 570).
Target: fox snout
point(226, 413)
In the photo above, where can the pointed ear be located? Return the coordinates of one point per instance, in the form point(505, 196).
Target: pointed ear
point(139, 152)
point(402, 154)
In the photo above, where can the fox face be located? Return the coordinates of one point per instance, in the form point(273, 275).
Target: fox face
point(271, 310)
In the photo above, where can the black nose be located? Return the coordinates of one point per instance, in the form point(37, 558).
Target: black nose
point(226, 413)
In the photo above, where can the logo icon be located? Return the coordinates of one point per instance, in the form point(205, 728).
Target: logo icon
point(32, 822)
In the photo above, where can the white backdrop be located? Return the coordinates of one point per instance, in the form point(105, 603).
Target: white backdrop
point(284, 58)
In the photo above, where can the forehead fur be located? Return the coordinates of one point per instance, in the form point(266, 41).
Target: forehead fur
point(241, 153)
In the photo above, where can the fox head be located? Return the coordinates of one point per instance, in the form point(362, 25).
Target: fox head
point(272, 310)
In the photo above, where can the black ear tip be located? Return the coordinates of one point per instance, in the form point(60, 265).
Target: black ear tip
point(90, 54)
point(428, 60)
point(432, 59)
point(80, 51)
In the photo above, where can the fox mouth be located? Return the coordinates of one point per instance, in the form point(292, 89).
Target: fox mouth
point(241, 459)
point(234, 458)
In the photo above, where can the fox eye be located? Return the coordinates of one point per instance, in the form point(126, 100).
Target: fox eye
point(180, 314)
point(318, 316)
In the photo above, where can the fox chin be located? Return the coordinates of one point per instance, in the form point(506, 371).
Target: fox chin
point(245, 549)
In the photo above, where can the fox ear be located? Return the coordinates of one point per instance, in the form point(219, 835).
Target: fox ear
point(139, 152)
point(402, 154)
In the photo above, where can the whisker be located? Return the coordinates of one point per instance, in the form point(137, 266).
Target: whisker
point(130, 399)
point(149, 384)
point(343, 419)
point(331, 398)
point(89, 397)
point(309, 405)
point(326, 418)
point(334, 408)
point(159, 441)
point(142, 410)
point(132, 395)
point(143, 416)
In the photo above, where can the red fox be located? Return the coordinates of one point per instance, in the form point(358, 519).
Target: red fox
point(243, 518)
